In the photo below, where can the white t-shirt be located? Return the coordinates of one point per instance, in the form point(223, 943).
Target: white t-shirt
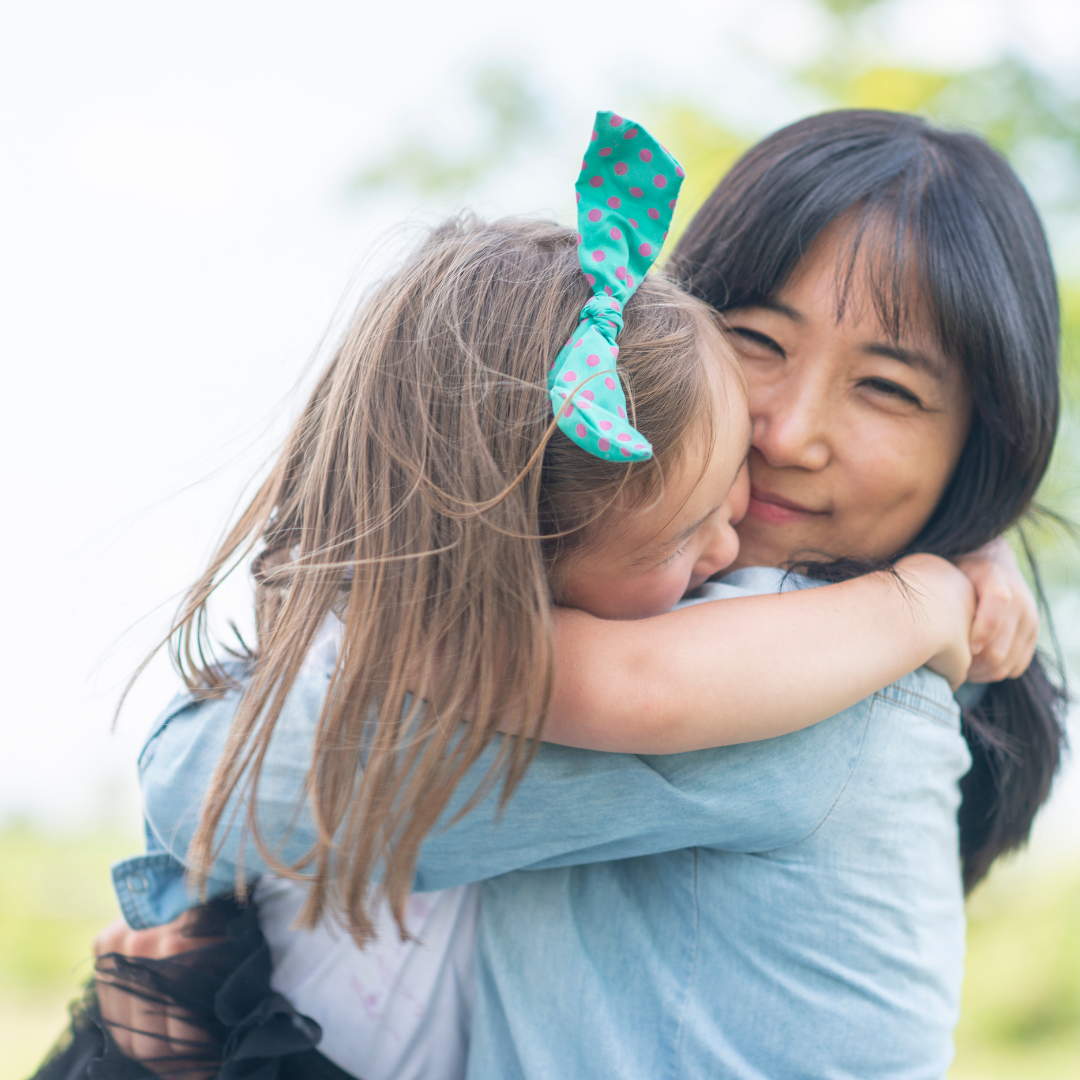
point(396, 1010)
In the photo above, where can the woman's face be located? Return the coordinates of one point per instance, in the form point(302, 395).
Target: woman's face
point(855, 434)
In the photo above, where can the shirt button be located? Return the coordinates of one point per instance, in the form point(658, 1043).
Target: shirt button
point(137, 883)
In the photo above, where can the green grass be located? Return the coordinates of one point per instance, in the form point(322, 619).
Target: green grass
point(1021, 1006)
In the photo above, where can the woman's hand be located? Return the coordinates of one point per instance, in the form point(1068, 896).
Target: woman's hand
point(948, 598)
point(151, 1032)
point(1006, 626)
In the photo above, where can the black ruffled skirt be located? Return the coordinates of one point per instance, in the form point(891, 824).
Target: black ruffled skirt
point(240, 1028)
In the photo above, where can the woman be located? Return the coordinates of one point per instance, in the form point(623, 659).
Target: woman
point(891, 292)
point(945, 209)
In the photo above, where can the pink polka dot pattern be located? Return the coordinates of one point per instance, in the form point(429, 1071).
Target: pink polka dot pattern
point(623, 161)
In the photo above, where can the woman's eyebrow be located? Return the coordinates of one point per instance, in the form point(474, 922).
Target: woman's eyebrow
point(914, 358)
point(781, 309)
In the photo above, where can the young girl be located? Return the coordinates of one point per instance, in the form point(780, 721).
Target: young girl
point(457, 470)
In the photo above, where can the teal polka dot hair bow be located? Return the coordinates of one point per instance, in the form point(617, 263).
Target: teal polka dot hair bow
point(626, 194)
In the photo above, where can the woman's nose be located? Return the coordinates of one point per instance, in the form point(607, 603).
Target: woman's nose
point(791, 420)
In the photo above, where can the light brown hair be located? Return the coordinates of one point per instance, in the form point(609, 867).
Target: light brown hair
point(423, 496)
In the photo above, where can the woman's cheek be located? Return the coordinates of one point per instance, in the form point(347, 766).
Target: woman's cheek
point(890, 503)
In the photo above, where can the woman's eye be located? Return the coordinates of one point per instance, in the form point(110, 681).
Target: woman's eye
point(756, 339)
point(885, 386)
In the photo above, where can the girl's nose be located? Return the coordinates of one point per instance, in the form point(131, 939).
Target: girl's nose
point(738, 500)
point(722, 544)
point(791, 421)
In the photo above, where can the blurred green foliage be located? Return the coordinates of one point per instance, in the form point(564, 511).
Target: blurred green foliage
point(55, 895)
point(509, 111)
point(1020, 1016)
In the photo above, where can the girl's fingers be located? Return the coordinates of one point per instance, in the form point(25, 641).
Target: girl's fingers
point(1025, 652)
point(998, 657)
point(992, 599)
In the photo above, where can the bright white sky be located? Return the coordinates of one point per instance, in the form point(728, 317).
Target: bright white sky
point(176, 240)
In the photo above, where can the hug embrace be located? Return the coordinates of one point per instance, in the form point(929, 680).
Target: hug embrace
point(641, 677)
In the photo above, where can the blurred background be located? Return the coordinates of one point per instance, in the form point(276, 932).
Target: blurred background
point(193, 197)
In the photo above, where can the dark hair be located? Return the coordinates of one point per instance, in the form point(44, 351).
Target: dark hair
point(948, 206)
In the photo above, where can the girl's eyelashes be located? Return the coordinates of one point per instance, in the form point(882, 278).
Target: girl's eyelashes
point(757, 338)
point(887, 386)
point(673, 556)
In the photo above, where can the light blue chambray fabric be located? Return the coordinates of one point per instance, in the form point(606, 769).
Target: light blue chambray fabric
point(782, 909)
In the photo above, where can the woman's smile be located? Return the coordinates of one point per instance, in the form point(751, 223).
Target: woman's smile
point(776, 509)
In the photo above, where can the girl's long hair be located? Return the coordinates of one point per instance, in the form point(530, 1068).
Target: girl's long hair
point(422, 497)
point(947, 206)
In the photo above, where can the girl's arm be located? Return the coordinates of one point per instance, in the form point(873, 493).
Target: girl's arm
point(1006, 627)
point(754, 667)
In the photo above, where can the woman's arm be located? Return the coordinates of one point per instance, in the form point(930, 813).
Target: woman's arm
point(754, 667)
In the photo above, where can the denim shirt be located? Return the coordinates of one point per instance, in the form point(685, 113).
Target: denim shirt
point(782, 909)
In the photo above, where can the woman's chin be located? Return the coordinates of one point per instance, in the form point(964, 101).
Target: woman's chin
point(765, 544)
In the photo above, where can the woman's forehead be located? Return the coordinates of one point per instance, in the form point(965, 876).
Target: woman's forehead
point(869, 276)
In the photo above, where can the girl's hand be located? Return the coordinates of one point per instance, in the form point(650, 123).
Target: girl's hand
point(1006, 627)
point(947, 598)
point(153, 1033)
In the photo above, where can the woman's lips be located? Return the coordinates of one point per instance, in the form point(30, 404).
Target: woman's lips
point(777, 510)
